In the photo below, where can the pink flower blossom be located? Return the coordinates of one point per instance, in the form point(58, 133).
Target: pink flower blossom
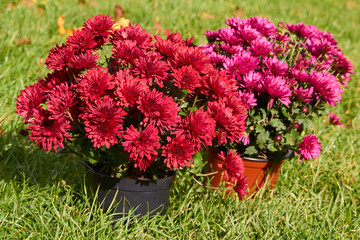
point(334, 120)
point(310, 148)
point(247, 98)
point(241, 64)
point(277, 88)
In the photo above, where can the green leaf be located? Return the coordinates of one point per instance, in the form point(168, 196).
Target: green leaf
point(259, 128)
point(262, 139)
point(198, 161)
point(277, 124)
point(271, 147)
point(284, 111)
point(251, 151)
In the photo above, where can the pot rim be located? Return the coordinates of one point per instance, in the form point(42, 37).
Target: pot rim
point(287, 155)
point(90, 169)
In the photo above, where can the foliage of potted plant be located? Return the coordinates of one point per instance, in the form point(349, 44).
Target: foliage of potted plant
point(133, 106)
point(287, 75)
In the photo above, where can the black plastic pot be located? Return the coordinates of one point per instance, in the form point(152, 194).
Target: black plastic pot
point(145, 196)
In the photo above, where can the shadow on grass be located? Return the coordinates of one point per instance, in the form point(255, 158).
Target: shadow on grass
point(21, 159)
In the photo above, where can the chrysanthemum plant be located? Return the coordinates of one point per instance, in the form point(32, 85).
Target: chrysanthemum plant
point(287, 75)
point(131, 104)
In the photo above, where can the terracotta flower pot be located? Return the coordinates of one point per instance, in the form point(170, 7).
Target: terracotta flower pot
point(147, 196)
point(257, 171)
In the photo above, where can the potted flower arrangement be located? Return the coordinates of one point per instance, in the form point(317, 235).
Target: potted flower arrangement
point(287, 75)
point(134, 107)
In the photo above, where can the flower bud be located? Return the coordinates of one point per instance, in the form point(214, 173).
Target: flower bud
point(297, 125)
point(304, 109)
point(278, 138)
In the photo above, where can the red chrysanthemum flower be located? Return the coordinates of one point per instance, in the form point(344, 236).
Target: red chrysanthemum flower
point(198, 127)
point(48, 133)
point(103, 122)
point(194, 57)
point(142, 145)
point(54, 79)
point(166, 47)
point(159, 109)
point(82, 40)
point(127, 51)
point(233, 165)
point(61, 100)
point(187, 78)
point(231, 127)
point(151, 68)
point(82, 61)
point(59, 57)
point(101, 27)
point(95, 83)
point(29, 100)
point(310, 148)
point(129, 88)
point(220, 84)
point(178, 152)
point(134, 33)
point(241, 187)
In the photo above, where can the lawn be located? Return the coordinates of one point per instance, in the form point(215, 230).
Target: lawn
point(43, 195)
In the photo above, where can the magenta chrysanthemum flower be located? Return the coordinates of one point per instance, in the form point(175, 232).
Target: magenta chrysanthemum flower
point(241, 187)
point(249, 34)
point(231, 49)
point(277, 88)
point(59, 57)
point(82, 40)
point(261, 47)
point(159, 109)
point(212, 36)
point(247, 98)
point(29, 100)
point(128, 89)
point(178, 152)
point(305, 95)
point(48, 133)
point(253, 81)
point(276, 66)
point(327, 87)
point(334, 120)
point(103, 122)
point(101, 27)
point(61, 100)
point(151, 68)
point(233, 165)
point(142, 145)
point(198, 127)
point(310, 148)
point(186, 78)
point(263, 25)
point(229, 35)
point(241, 64)
point(95, 84)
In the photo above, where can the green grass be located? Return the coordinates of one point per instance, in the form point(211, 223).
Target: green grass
point(42, 195)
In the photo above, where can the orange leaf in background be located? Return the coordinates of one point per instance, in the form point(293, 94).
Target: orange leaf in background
point(22, 41)
point(2, 132)
point(206, 15)
point(157, 25)
point(121, 22)
point(28, 3)
point(10, 5)
point(239, 12)
point(41, 61)
point(60, 24)
point(81, 2)
point(119, 12)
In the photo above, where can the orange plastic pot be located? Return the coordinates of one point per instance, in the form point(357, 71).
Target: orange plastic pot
point(258, 171)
